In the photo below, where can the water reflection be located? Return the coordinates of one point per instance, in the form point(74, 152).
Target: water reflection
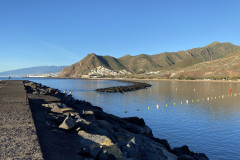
point(201, 125)
point(211, 125)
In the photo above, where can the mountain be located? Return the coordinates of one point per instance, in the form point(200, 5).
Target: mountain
point(89, 62)
point(160, 62)
point(32, 71)
point(228, 66)
point(140, 63)
point(178, 59)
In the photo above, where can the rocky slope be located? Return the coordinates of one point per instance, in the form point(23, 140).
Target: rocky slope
point(71, 129)
point(90, 62)
point(224, 67)
point(159, 62)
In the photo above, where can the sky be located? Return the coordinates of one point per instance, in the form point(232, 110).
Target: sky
point(62, 32)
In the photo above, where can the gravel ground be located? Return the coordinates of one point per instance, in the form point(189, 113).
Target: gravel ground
point(18, 136)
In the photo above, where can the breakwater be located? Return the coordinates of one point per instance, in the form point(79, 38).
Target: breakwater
point(18, 138)
point(75, 129)
point(135, 86)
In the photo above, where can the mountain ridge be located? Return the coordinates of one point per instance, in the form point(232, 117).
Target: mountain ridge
point(218, 68)
point(144, 63)
point(32, 70)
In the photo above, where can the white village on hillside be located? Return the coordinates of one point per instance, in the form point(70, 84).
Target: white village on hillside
point(100, 71)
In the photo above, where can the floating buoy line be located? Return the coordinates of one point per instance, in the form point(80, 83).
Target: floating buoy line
point(196, 100)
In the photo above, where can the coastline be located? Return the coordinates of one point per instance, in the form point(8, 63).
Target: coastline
point(94, 133)
point(174, 80)
point(154, 79)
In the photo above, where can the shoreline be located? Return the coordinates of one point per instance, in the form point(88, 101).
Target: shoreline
point(176, 80)
point(94, 133)
point(131, 79)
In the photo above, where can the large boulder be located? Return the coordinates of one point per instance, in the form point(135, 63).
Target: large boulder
point(103, 142)
point(51, 90)
point(105, 125)
point(164, 142)
point(51, 105)
point(135, 120)
point(68, 123)
point(141, 147)
point(145, 130)
point(185, 157)
point(184, 153)
point(56, 109)
point(99, 139)
point(88, 114)
point(184, 150)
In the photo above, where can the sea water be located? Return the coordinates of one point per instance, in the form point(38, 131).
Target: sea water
point(203, 115)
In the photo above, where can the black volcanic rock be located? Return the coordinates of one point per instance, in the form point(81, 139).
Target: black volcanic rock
point(135, 86)
point(135, 120)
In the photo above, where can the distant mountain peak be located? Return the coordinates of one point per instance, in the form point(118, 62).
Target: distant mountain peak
point(92, 54)
point(214, 43)
point(126, 56)
point(33, 70)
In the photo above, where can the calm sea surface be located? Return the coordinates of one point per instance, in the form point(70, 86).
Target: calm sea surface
point(208, 123)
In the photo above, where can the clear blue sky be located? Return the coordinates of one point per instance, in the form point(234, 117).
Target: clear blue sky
point(62, 32)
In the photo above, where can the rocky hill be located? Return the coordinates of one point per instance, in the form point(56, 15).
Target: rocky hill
point(90, 62)
point(219, 68)
point(159, 62)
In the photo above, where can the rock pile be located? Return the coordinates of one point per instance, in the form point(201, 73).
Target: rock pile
point(135, 86)
point(104, 136)
point(38, 88)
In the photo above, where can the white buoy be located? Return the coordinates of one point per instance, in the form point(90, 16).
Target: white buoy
point(186, 101)
point(208, 98)
point(157, 106)
point(194, 89)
